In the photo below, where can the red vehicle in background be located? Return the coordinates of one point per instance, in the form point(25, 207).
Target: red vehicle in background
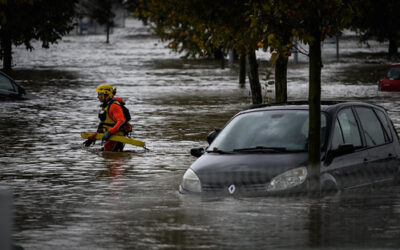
point(391, 81)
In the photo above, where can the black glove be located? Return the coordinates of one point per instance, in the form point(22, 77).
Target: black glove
point(106, 136)
point(88, 142)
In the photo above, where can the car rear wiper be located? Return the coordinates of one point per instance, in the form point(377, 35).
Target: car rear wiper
point(261, 149)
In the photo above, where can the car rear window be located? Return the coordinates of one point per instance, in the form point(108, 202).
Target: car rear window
point(393, 73)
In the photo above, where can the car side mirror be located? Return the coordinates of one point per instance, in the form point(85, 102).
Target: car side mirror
point(197, 152)
point(341, 150)
point(345, 149)
point(211, 136)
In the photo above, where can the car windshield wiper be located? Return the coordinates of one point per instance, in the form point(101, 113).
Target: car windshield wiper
point(219, 151)
point(262, 149)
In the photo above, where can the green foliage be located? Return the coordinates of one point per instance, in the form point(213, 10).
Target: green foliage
point(139, 8)
point(276, 21)
point(200, 27)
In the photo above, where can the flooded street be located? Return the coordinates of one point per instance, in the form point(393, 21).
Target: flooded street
point(70, 197)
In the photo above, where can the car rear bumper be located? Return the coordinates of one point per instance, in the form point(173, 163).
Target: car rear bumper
point(393, 85)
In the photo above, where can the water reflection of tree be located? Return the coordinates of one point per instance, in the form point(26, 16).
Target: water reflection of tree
point(362, 219)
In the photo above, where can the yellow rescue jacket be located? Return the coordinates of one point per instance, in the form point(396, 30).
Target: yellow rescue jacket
point(107, 122)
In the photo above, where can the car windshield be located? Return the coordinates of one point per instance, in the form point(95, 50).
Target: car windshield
point(6, 84)
point(394, 73)
point(269, 131)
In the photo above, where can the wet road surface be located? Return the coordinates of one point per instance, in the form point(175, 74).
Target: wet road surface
point(69, 197)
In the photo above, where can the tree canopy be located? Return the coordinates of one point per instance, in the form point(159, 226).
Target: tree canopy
point(379, 20)
point(197, 27)
point(22, 21)
point(201, 27)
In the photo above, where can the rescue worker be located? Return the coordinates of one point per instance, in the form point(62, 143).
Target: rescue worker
point(112, 119)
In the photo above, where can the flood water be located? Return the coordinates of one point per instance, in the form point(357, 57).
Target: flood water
point(69, 197)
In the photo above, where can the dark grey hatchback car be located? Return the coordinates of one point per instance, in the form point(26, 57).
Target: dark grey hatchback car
point(264, 151)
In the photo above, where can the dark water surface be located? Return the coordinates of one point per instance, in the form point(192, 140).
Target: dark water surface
point(69, 197)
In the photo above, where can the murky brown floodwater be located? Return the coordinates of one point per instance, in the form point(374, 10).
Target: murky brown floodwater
point(68, 197)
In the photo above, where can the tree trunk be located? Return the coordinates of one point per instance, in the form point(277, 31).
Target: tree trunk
point(255, 86)
point(6, 44)
point(242, 70)
point(281, 79)
point(393, 47)
point(337, 48)
point(108, 33)
point(219, 55)
point(314, 98)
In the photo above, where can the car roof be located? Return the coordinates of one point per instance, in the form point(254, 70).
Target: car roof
point(395, 64)
point(327, 106)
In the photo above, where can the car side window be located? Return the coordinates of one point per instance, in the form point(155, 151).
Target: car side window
point(349, 127)
point(373, 131)
point(6, 84)
point(337, 138)
point(386, 124)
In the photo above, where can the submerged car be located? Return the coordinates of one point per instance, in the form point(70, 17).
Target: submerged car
point(9, 89)
point(264, 151)
point(391, 81)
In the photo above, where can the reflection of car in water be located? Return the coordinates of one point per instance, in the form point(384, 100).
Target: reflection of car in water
point(9, 89)
point(264, 151)
point(391, 81)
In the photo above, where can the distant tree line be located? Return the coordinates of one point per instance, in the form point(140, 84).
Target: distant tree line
point(214, 28)
point(210, 33)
